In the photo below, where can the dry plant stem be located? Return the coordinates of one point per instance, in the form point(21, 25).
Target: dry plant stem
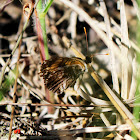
point(40, 38)
point(69, 45)
point(112, 57)
point(8, 55)
point(17, 44)
point(40, 12)
point(124, 50)
point(14, 96)
point(12, 113)
point(134, 81)
point(4, 4)
point(73, 21)
point(106, 122)
point(48, 104)
point(131, 42)
point(125, 113)
point(13, 107)
point(65, 16)
point(15, 85)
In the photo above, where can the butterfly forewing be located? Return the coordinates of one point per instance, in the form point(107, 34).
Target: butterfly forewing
point(61, 72)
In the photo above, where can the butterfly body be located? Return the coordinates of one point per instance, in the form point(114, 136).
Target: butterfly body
point(61, 72)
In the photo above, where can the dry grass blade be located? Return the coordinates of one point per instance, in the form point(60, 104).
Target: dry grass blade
point(124, 50)
point(92, 23)
point(91, 130)
point(125, 113)
point(112, 57)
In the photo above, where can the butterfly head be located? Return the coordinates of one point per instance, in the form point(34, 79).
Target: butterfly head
point(88, 60)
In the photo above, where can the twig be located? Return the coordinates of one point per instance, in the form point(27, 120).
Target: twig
point(15, 85)
point(37, 104)
point(14, 100)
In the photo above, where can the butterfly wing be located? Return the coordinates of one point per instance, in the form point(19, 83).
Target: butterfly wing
point(61, 72)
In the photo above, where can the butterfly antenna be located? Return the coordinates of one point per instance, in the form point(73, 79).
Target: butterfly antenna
point(98, 54)
point(86, 38)
point(88, 58)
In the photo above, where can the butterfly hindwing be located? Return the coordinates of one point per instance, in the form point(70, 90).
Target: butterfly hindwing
point(61, 72)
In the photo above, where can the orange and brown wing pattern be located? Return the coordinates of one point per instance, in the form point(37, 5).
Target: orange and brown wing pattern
point(61, 72)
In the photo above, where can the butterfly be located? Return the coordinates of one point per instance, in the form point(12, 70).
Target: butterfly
point(59, 73)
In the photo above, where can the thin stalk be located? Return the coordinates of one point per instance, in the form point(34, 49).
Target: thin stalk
point(14, 96)
point(40, 13)
point(15, 89)
point(43, 38)
point(42, 33)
